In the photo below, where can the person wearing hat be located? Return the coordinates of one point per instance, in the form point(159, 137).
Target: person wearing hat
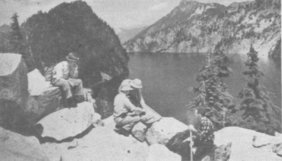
point(64, 75)
point(126, 114)
point(137, 99)
point(197, 140)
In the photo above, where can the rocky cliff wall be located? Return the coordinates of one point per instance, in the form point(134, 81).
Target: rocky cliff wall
point(74, 27)
point(199, 27)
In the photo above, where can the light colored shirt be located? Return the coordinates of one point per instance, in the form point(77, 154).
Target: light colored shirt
point(62, 71)
point(122, 105)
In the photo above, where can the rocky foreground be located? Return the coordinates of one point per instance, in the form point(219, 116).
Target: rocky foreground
point(104, 144)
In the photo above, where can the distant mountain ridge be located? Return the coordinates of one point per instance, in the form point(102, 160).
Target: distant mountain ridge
point(127, 34)
point(198, 27)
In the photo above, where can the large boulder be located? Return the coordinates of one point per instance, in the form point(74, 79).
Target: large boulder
point(277, 148)
point(69, 122)
point(158, 152)
point(100, 144)
point(139, 131)
point(261, 140)
point(13, 78)
point(43, 99)
point(13, 90)
point(242, 144)
point(162, 131)
point(15, 147)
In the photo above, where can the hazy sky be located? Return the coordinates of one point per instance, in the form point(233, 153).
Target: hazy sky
point(117, 13)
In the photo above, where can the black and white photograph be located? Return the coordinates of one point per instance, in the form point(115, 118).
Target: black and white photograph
point(140, 80)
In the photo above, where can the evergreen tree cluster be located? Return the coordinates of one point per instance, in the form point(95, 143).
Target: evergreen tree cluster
point(16, 37)
point(254, 108)
point(212, 93)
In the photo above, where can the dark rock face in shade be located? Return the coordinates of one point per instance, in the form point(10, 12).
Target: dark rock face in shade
point(13, 90)
point(74, 27)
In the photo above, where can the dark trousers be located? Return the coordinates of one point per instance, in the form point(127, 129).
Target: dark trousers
point(203, 148)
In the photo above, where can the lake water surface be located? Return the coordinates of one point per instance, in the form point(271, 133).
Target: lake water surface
point(168, 78)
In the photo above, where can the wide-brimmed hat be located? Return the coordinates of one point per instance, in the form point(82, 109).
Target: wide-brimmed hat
point(125, 85)
point(72, 57)
point(136, 83)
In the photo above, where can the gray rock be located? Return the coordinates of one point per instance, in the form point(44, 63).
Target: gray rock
point(139, 131)
point(158, 152)
point(277, 148)
point(162, 131)
point(13, 78)
point(13, 91)
point(43, 99)
point(69, 122)
point(242, 144)
point(100, 144)
point(15, 147)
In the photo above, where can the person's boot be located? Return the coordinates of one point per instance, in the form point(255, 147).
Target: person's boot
point(121, 131)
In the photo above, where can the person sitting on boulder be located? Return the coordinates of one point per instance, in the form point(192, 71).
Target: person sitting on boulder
point(203, 130)
point(64, 75)
point(126, 114)
point(136, 97)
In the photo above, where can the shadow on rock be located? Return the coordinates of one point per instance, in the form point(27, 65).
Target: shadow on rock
point(42, 140)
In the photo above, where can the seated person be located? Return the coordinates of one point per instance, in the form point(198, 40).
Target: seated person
point(126, 114)
point(203, 130)
point(64, 75)
point(136, 97)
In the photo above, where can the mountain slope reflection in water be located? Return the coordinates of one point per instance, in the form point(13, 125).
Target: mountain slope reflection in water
point(168, 78)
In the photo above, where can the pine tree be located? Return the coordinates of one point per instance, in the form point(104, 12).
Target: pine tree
point(18, 43)
point(256, 110)
point(16, 37)
point(212, 93)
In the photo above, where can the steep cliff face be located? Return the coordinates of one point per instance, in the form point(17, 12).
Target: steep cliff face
point(198, 27)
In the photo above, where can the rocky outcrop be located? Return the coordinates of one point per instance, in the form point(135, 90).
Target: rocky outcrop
point(69, 122)
point(13, 78)
point(199, 27)
point(15, 147)
point(74, 27)
point(101, 144)
point(158, 152)
point(162, 131)
point(139, 131)
point(13, 91)
point(242, 144)
point(43, 99)
point(276, 52)
point(234, 144)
